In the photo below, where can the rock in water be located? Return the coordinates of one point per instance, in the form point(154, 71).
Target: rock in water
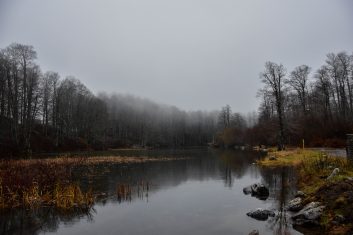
point(309, 215)
point(260, 214)
point(257, 190)
point(295, 204)
point(334, 173)
point(247, 190)
point(260, 191)
point(254, 232)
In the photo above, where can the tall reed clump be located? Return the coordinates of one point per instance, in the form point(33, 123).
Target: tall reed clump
point(31, 183)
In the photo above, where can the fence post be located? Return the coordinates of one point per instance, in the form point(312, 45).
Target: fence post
point(349, 147)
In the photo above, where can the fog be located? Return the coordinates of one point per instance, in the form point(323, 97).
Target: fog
point(190, 53)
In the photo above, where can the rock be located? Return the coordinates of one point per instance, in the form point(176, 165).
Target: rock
point(260, 191)
point(272, 158)
point(350, 178)
point(257, 190)
point(260, 214)
point(309, 215)
point(254, 232)
point(247, 190)
point(333, 174)
point(295, 204)
point(300, 194)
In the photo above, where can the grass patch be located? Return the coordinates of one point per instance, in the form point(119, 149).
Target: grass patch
point(288, 158)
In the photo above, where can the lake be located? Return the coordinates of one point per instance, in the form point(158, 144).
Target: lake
point(200, 193)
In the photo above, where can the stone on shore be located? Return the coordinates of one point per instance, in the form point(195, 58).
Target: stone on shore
point(261, 214)
point(295, 204)
point(309, 215)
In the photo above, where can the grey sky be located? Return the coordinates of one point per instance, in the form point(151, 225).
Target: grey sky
point(195, 54)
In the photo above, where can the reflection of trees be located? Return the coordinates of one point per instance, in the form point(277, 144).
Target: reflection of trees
point(142, 180)
point(22, 221)
point(235, 164)
point(281, 182)
point(106, 178)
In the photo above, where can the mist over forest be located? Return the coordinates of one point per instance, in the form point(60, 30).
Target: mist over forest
point(42, 112)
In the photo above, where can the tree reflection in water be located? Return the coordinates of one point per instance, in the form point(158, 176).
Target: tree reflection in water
point(281, 182)
point(127, 183)
point(44, 219)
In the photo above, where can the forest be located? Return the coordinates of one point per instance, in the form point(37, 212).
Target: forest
point(42, 112)
point(314, 106)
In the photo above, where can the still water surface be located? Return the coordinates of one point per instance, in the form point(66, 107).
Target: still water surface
point(199, 194)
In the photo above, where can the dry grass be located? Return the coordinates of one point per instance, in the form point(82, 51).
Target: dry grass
point(313, 166)
point(26, 183)
point(89, 160)
point(293, 157)
point(30, 183)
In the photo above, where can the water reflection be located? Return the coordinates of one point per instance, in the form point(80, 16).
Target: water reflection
point(282, 183)
point(174, 197)
point(40, 220)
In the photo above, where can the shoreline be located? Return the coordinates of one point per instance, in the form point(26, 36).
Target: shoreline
point(318, 183)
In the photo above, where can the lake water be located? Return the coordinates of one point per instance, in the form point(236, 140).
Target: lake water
point(199, 194)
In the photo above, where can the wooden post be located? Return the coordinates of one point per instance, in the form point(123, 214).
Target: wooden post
point(303, 144)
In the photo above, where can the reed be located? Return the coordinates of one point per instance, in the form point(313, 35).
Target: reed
point(25, 183)
point(50, 181)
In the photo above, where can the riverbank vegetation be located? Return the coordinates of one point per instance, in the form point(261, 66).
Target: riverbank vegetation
point(336, 192)
point(50, 182)
point(32, 183)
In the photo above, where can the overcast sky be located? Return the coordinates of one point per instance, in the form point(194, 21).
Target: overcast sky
point(195, 54)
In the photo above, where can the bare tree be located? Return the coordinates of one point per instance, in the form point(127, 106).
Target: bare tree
point(299, 81)
point(273, 77)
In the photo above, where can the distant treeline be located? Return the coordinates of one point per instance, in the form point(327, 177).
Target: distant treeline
point(301, 104)
point(39, 112)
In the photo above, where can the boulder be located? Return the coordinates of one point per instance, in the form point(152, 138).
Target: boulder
point(257, 190)
point(260, 214)
point(254, 232)
point(295, 204)
point(309, 215)
point(247, 190)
